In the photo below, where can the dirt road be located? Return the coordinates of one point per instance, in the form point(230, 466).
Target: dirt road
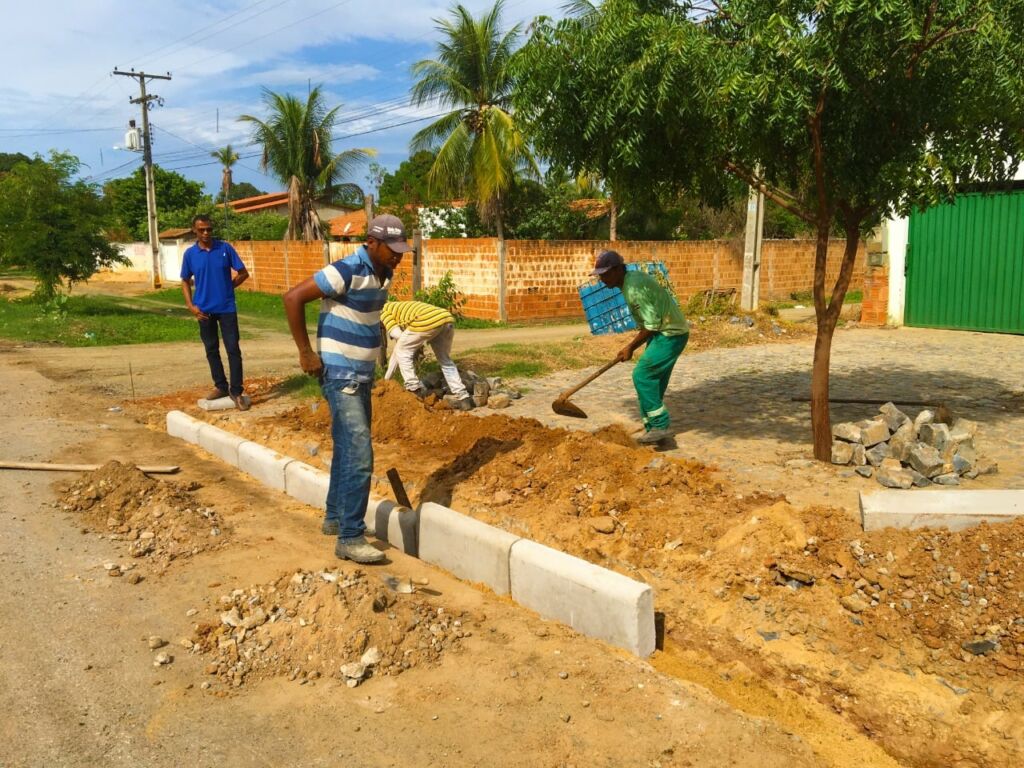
point(79, 687)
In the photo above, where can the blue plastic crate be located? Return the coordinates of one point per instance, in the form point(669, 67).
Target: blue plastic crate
point(606, 308)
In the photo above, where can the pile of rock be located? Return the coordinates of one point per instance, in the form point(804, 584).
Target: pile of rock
point(901, 452)
point(486, 390)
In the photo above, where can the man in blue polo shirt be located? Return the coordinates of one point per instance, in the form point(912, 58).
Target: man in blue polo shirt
point(210, 262)
point(351, 291)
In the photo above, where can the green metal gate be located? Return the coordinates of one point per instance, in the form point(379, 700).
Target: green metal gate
point(965, 264)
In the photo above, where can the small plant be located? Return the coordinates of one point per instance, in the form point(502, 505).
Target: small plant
point(57, 306)
point(445, 295)
point(712, 302)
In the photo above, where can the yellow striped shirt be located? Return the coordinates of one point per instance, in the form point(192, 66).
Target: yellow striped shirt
point(415, 316)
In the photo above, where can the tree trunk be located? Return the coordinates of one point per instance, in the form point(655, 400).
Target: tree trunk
point(613, 220)
point(498, 224)
point(295, 211)
point(827, 317)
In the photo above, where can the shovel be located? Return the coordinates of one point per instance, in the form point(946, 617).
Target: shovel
point(563, 407)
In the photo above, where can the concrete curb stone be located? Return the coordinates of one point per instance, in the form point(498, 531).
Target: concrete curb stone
point(590, 599)
point(462, 545)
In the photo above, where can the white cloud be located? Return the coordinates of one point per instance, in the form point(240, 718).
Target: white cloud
point(300, 75)
point(57, 57)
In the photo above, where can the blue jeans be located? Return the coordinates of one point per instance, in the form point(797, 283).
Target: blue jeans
point(352, 463)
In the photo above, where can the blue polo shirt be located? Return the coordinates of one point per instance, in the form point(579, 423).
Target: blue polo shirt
point(348, 333)
point(212, 271)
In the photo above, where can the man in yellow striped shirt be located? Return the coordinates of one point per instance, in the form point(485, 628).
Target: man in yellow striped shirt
point(412, 324)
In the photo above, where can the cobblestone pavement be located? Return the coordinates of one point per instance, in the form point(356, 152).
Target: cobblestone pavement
point(733, 409)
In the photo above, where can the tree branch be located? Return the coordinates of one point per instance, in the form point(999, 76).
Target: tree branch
point(924, 44)
point(782, 199)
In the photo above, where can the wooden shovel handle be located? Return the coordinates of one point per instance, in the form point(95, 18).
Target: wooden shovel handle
point(603, 369)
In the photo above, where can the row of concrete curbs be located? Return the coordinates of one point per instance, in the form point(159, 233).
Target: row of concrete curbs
point(592, 600)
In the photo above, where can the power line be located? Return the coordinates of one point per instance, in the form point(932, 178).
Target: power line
point(268, 34)
point(346, 136)
point(98, 176)
point(208, 27)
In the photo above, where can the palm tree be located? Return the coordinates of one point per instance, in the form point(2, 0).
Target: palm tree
point(480, 151)
point(296, 139)
point(227, 157)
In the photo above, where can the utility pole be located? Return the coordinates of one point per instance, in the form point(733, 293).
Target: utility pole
point(750, 292)
point(147, 160)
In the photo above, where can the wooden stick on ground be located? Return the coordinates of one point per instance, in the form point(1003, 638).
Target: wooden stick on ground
point(37, 465)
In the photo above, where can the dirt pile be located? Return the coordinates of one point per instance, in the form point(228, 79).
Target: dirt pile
point(886, 626)
point(160, 521)
point(345, 625)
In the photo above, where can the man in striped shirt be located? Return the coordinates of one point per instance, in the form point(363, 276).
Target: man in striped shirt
point(351, 291)
point(413, 324)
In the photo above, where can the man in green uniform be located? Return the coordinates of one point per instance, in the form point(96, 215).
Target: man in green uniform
point(662, 328)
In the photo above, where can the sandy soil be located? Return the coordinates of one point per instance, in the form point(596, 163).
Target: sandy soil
point(79, 685)
point(916, 638)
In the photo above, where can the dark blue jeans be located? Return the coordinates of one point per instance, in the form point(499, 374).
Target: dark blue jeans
point(228, 322)
point(352, 463)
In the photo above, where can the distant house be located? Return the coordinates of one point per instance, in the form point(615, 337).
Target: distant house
point(349, 227)
point(277, 202)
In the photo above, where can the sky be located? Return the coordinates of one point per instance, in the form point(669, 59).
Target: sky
point(57, 90)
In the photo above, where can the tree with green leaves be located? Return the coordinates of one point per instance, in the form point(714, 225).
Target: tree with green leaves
point(240, 191)
point(127, 198)
point(479, 149)
point(53, 224)
point(873, 108)
point(227, 157)
point(297, 138)
point(408, 184)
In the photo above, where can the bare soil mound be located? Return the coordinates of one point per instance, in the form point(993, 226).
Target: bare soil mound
point(889, 627)
point(159, 521)
point(345, 625)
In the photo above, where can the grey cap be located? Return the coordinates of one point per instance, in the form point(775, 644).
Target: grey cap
point(390, 230)
point(606, 260)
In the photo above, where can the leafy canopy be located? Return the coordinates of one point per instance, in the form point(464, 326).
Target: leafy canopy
point(297, 137)
point(53, 224)
point(480, 150)
point(872, 107)
point(127, 198)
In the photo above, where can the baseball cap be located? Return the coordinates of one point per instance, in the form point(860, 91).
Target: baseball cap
point(606, 260)
point(390, 230)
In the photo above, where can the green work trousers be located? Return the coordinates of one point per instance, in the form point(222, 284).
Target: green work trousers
point(651, 375)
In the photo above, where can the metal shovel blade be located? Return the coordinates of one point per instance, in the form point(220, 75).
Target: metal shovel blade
point(564, 407)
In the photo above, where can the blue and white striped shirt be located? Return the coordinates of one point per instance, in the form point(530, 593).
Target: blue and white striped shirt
point(348, 332)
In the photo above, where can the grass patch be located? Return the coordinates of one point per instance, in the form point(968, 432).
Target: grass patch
point(300, 385)
point(91, 321)
point(12, 272)
point(806, 298)
point(474, 323)
point(265, 309)
point(525, 361)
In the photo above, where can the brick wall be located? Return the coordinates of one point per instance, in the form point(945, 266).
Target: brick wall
point(875, 309)
point(277, 265)
point(473, 263)
point(542, 277)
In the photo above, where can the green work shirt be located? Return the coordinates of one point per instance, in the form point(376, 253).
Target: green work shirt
point(652, 306)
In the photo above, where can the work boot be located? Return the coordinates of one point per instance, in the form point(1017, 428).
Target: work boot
point(654, 436)
point(216, 394)
point(242, 403)
point(358, 550)
point(330, 527)
point(463, 404)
